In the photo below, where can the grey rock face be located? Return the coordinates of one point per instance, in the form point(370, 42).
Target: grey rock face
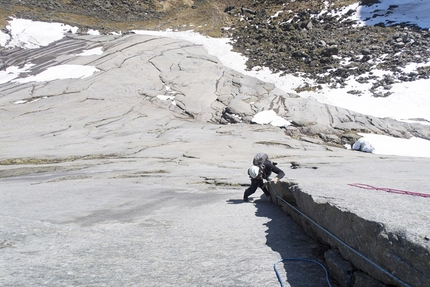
point(364, 280)
point(109, 150)
point(339, 268)
point(195, 85)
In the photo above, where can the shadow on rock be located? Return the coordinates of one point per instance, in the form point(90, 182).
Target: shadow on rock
point(240, 201)
point(287, 238)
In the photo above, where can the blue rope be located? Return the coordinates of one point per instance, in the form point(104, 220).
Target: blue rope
point(299, 259)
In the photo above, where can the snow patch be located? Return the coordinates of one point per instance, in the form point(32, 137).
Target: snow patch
point(270, 117)
point(95, 51)
point(60, 72)
point(34, 34)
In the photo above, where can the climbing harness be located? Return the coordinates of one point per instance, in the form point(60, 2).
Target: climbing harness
point(299, 259)
point(340, 241)
point(398, 191)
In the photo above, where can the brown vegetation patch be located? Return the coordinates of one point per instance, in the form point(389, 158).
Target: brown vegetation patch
point(204, 16)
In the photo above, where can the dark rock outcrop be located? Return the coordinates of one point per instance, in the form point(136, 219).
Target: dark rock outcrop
point(329, 49)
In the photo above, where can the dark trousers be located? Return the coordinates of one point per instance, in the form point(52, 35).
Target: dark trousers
point(254, 184)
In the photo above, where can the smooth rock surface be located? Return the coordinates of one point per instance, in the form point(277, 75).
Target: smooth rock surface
point(105, 183)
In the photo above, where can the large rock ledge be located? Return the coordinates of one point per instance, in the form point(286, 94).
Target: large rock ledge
point(369, 232)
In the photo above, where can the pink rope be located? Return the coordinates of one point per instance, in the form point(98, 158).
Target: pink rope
point(398, 191)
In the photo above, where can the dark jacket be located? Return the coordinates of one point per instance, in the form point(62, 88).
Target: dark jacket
point(269, 167)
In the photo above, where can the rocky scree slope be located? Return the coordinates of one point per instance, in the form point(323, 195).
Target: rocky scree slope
point(329, 48)
point(124, 10)
point(109, 16)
